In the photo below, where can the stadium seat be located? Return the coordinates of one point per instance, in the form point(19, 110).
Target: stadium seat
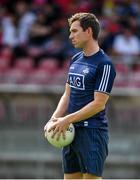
point(38, 76)
point(50, 65)
point(121, 80)
point(4, 64)
point(123, 74)
point(121, 68)
point(6, 53)
point(15, 76)
point(25, 64)
point(47, 73)
point(19, 72)
point(59, 78)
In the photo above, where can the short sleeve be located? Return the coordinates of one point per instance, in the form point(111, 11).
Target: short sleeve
point(105, 76)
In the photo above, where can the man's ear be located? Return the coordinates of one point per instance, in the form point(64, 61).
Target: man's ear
point(89, 31)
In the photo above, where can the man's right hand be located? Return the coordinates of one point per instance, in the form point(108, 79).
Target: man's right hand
point(52, 119)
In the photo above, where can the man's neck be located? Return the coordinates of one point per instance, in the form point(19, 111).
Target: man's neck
point(91, 48)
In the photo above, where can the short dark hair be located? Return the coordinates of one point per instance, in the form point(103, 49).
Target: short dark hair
point(87, 20)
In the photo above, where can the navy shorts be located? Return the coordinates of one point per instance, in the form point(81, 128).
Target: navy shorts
point(87, 152)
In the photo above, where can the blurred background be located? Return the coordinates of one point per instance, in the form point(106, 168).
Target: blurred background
point(34, 58)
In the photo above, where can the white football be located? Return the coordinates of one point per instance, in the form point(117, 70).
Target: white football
point(69, 136)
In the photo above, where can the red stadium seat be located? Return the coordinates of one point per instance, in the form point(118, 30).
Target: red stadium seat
point(46, 73)
point(4, 67)
point(25, 64)
point(38, 76)
point(59, 78)
point(15, 75)
point(6, 53)
point(50, 65)
point(121, 80)
point(122, 77)
point(4, 64)
point(121, 68)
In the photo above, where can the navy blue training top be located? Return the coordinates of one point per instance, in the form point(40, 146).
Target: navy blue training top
point(88, 74)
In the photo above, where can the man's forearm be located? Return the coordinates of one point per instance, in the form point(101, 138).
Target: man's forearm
point(86, 112)
point(61, 108)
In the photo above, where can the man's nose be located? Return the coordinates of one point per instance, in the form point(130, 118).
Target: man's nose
point(70, 36)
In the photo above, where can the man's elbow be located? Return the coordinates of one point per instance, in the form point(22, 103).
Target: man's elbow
point(101, 106)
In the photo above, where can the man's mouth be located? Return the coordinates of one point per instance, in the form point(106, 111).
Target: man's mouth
point(73, 42)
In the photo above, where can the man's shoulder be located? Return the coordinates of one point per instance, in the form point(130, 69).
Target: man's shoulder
point(76, 56)
point(105, 63)
point(104, 58)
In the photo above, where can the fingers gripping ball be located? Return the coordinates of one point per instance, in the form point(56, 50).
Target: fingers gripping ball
point(69, 136)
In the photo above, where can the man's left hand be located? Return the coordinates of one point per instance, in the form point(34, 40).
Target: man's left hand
point(60, 126)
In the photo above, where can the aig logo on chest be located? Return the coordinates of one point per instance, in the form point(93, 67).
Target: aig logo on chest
point(76, 81)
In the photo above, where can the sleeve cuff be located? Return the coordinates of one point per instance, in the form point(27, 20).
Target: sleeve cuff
point(102, 92)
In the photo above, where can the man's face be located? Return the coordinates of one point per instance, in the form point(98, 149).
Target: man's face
point(78, 36)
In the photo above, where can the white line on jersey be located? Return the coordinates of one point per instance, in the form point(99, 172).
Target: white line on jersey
point(105, 78)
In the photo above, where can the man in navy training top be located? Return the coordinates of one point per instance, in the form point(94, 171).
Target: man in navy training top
point(90, 80)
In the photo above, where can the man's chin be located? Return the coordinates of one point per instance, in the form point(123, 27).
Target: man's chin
point(76, 46)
